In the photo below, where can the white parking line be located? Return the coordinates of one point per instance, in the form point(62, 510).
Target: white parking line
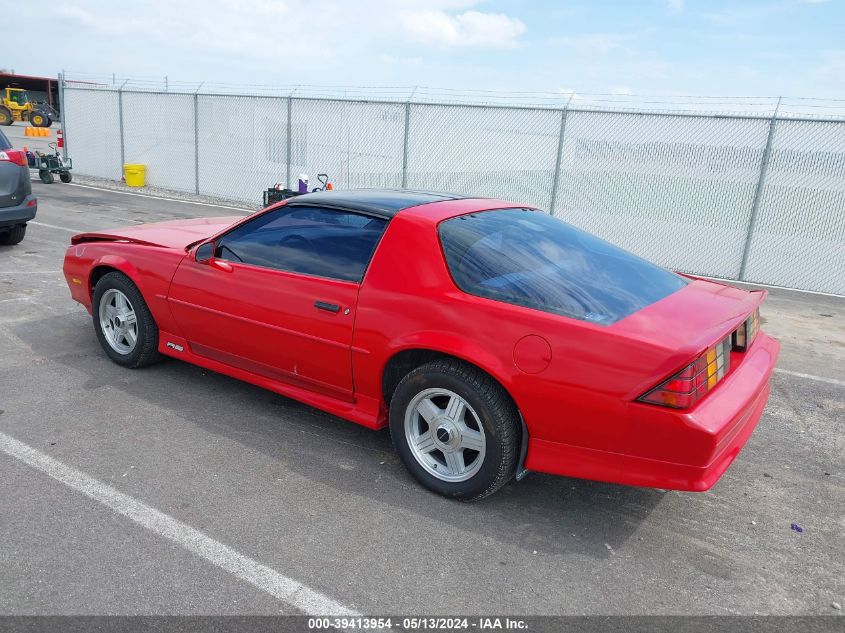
point(798, 374)
point(144, 195)
point(281, 587)
point(53, 226)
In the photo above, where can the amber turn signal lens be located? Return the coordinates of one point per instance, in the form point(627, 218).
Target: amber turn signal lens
point(693, 382)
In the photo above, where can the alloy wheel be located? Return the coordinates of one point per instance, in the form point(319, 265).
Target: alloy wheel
point(118, 321)
point(445, 435)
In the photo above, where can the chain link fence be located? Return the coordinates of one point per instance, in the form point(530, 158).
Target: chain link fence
point(241, 146)
point(747, 196)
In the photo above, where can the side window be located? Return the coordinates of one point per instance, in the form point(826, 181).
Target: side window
point(309, 240)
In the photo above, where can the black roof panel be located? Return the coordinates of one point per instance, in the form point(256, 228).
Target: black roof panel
point(383, 202)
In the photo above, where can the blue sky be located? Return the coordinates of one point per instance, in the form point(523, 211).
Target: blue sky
point(708, 47)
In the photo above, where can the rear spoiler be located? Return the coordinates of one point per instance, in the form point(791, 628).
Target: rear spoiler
point(87, 238)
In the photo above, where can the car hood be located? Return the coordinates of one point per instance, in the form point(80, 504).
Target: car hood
point(176, 234)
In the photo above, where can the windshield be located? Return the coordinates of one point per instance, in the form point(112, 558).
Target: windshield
point(529, 258)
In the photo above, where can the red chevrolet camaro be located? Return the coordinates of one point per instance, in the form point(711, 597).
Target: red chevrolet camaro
point(492, 338)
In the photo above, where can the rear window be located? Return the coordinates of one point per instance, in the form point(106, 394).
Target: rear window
point(4, 142)
point(529, 258)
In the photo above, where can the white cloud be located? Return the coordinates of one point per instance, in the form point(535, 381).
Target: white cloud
point(596, 43)
point(675, 6)
point(407, 61)
point(269, 8)
point(470, 28)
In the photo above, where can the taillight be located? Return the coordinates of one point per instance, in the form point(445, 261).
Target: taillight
point(14, 156)
point(744, 335)
point(692, 383)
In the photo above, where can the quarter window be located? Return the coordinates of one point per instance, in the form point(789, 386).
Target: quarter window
point(308, 240)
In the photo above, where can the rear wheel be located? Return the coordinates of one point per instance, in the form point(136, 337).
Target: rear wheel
point(456, 429)
point(65, 176)
point(14, 235)
point(46, 177)
point(5, 116)
point(124, 325)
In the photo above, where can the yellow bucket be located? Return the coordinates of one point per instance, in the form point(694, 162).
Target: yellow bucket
point(135, 175)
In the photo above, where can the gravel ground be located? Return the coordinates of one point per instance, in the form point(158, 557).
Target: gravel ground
point(159, 192)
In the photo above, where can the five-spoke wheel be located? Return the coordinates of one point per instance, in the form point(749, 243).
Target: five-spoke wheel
point(118, 321)
point(123, 323)
point(445, 435)
point(455, 428)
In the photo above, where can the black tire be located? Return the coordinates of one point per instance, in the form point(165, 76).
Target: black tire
point(39, 119)
point(46, 177)
point(145, 351)
point(49, 122)
point(65, 176)
point(495, 410)
point(5, 116)
point(13, 236)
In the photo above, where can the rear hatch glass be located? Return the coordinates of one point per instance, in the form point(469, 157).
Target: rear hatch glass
point(14, 179)
point(529, 258)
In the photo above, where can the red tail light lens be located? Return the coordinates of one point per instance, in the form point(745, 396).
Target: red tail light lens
point(745, 333)
point(14, 156)
point(694, 381)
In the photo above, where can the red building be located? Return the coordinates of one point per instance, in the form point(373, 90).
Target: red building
point(40, 88)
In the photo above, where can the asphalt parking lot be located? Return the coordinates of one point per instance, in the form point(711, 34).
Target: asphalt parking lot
point(16, 133)
point(326, 504)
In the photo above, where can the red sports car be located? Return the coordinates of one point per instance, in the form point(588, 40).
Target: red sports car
point(492, 338)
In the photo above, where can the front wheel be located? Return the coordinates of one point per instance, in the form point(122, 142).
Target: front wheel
point(123, 323)
point(46, 177)
point(65, 176)
point(456, 429)
point(37, 119)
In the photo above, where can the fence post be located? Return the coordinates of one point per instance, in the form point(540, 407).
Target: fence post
point(758, 191)
point(62, 113)
point(289, 147)
point(120, 120)
point(406, 145)
point(196, 144)
point(556, 178)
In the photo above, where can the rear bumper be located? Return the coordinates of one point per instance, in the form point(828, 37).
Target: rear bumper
point(9, 216)
point(716, 429)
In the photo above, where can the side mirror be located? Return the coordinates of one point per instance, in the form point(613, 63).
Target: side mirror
point(205, 253)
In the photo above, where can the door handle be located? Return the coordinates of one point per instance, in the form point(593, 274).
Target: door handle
point(219, 264)
point(328, 307)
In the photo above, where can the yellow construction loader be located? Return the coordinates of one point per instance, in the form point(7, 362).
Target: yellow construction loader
point(15, 105)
